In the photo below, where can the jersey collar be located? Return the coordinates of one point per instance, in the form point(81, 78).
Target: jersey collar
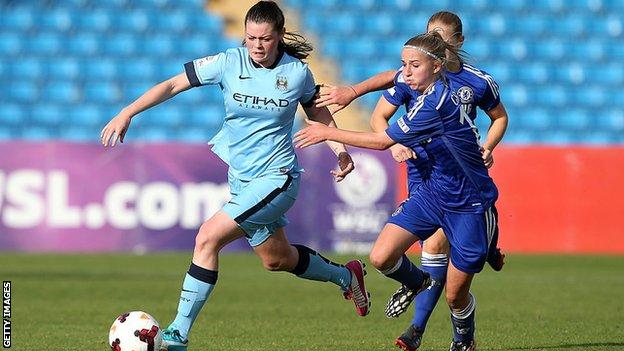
point(280, 53)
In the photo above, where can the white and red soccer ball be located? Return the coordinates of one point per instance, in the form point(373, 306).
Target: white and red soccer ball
point(135, 331)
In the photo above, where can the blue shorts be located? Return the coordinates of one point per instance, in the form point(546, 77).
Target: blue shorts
point(259, 205)
point(469, 234)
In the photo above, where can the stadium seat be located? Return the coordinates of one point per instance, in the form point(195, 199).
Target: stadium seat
point(19, 19)
point(12, 114)
point(44, 44)
point(574, 119)
point(23, 91)
point(10, 44)
point(46, 115)
point(87, 59)
point(62, 92)
point(95, 20)
point(87, 115)
point(102, 92)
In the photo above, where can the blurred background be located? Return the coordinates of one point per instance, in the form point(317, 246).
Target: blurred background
point(68, 66)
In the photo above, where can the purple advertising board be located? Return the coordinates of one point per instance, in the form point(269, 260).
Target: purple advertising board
point(142, 197)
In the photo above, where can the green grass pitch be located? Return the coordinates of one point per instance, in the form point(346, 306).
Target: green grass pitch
point(68, 302)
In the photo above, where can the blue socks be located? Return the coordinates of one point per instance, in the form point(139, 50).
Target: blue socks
point(436, 265)
point(405, 273)
point(464, 322)
point(198, 283)
point(313, 266)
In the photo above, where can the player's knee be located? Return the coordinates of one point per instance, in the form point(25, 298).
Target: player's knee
point(274, 264)
point(435, 247)
point(206, 240)
point(454, 299)
point(381, 260)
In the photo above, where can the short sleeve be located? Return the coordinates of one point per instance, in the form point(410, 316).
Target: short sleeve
point(206, 70)
point(491, 94)
point(398, 94)
point(411, 126)
point(309, 89)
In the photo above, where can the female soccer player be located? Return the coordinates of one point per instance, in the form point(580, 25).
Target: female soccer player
point(455, 191)
point(476, 89)
point(262, 84)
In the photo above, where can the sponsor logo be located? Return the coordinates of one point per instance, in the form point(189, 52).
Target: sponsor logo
point(366, 184)
point(31, 198)
point(403, 125)
point(259, 102)
point(205, 60)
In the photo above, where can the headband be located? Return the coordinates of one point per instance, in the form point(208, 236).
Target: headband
point(423, 51)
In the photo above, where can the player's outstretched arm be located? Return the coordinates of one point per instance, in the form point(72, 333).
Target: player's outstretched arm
point(116, 129)
point(345, 163)
point(341, 96)
point(495, 134)
point(317, 132)
point(379, 123)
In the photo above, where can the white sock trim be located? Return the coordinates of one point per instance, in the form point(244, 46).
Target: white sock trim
point(463, 314)
point(430, 256)
point(393, 269)
point(433, 260)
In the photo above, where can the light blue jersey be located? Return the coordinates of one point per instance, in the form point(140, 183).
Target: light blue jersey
point(260, 106)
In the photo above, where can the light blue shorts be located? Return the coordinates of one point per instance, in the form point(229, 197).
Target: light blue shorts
point(259, 206)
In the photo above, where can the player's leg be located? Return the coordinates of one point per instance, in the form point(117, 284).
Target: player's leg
point(463, 305)
point(388, 256)
point(201, 277)
point(469, 235)
point(414, 219)
point(434, 260)
point(277, 254)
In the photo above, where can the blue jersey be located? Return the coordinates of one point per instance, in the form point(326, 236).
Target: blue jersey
point(260, 106)
point(455, 174)
point(474, 88)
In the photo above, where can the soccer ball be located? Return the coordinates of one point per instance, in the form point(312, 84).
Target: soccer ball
point(135, 331)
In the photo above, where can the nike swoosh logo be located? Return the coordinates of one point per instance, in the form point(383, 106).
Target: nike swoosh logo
point(241, 77)
point(189, 291)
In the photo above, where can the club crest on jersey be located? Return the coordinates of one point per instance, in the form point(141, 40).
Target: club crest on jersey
point(466, 95)
point(281, 83)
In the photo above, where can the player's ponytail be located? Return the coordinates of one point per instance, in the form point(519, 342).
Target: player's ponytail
point(450, 19)
point(293, 44)
point(435, 47)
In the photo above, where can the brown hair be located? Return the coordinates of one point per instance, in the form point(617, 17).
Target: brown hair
point(434, 46)
point(449, 19)
point(293, 44)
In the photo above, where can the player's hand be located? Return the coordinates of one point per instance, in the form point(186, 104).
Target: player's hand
point(401, 153)
point(335, 97)
point(313, 134)
point(488, 157)
point(345, 166)
point(115, 130)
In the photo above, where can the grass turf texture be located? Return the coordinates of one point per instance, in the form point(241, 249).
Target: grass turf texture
point(68, 302)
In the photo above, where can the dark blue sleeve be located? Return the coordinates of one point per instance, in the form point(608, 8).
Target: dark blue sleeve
point(409, 127)
point(206, 70)
point(399, 94)
point(490, 97)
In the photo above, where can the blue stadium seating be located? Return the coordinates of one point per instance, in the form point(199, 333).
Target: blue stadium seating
point(560, 64)
point(79, 62)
